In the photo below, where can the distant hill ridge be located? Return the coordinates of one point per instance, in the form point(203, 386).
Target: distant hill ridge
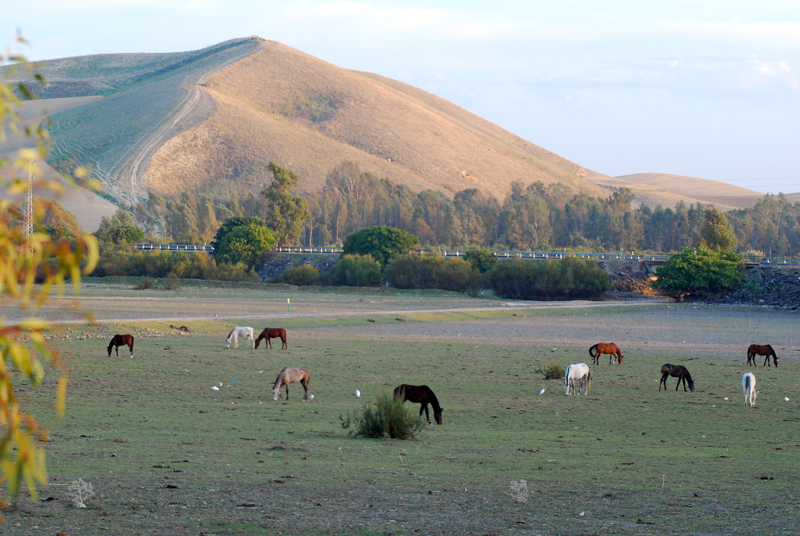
point(212, 119)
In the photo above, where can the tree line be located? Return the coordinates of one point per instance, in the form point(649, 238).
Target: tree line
point(534, 216)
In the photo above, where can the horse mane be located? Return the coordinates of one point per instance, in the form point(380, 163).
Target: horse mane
point(112, 342)
point(433, 400)
point(231, 333)
point(278, 379)
point(689, 378)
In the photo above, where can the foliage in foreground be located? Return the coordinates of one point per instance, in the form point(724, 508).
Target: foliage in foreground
point(566, 279)
point(389, 417)
point(23, 260)
point(701, 271)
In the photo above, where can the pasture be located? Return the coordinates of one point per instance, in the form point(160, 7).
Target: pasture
point(166, 454)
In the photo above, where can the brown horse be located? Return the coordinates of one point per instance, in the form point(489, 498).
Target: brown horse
point(761, 349)
point(291, 375)
point(273, 333)
point(421, 394)
point(120, 340)
point(677, 371)
point(605, 348)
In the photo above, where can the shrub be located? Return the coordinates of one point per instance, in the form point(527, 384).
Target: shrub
point(431, 271)
point(380, 241)
point(551, 372)
point(389, 417)
point(172, 283)
point(700, 271)
point(299, 274)
point(481, 260)
point(145, 284)
point(357, 271)
point(245, 244)
point(120, 234)
point(567, 279)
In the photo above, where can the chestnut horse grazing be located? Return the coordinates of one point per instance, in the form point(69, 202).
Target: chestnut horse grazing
point(291, 375)
point(580, 372)
point(421, 394)
point(761, 349)
point(749, 388)
point(678, 371)
point(273, 333)
point(605, 348)
point(120, 340)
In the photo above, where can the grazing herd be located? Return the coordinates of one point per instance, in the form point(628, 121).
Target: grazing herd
point(420, 394)
point(580, 371)
point(423, 395)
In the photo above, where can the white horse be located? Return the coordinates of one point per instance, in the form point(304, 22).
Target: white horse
point(749, 388)
point(240, 332)
point(580, 372)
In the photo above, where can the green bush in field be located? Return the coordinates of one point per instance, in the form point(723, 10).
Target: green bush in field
point(700, 271)
point(120, 234)
point(566, 279)
point(299, 274)
point(122, 262)
point(245, 244)
point(431, 271)
point(389, 417)
point(380, 241)
point(551, 372)
point(357, 271)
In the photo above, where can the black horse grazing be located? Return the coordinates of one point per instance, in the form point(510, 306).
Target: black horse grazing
point(120, 340)
point(421, 394)
point(677, 371)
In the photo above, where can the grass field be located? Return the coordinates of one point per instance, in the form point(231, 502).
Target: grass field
point(167, 454)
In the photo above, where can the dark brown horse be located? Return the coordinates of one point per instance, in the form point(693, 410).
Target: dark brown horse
point(120, 340)
point(605, 348)
point(421, 394)
point(677, 371)
point(761, 349)
point(273, 333)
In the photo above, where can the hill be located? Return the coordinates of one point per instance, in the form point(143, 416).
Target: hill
point(212, 119)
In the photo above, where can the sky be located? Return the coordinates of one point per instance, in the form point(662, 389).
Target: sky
point(707, 89)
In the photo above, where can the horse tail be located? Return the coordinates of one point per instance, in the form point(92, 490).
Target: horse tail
point(691, 382)
point(589, 374)
point(131, 344)
point(593, 351)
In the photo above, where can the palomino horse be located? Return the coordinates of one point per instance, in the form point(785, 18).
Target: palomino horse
point(580, 372)
point(749, 388)
point(677, 371)
point(421, 394)
point(120, 340)
point(239, 332)
point(273, 333)
point(761, 349)
point(605, 348)
point(291, 375)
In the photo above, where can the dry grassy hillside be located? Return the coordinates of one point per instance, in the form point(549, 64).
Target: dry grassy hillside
point(281, 104)
point(87, 206)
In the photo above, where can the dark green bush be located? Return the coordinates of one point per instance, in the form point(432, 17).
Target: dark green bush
point(299, 274)
point(146, 284)
point(357, 271)
point(380, 241)
point(389, 417)
point(120, 234)
point(120, 262)
point(551, 372)
point(567, 279)
point(481, 260)
point(700, 271)
point(431, 271)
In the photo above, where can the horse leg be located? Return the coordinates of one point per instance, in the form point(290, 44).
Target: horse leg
point(131, 347)
point(116, 349)
point(287, 390)
point(304, 383)
point(427, 415)
point(766, 361)
point(284, 346)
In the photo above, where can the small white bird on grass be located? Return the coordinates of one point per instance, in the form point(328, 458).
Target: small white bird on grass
point(786, 398)
point(541, 392)
point(214, 388)
point(311, 397)
point(358, 393)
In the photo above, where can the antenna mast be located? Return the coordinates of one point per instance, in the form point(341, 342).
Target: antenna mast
point(28, 218)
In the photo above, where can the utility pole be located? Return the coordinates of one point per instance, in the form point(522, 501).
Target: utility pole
point(28, 216)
